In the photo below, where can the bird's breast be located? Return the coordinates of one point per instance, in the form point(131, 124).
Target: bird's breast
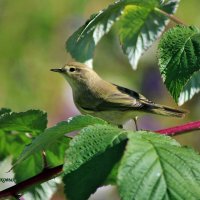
point(85, 99)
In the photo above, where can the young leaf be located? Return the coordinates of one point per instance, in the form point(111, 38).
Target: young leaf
point(179, 59)
point(33, 121)
point(140, 25)
point(54, 134)
point(90, 158)
point(157, 167)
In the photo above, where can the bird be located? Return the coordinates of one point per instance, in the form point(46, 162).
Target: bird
point(113, 103)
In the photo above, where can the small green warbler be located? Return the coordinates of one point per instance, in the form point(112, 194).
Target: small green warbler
point(115, 104)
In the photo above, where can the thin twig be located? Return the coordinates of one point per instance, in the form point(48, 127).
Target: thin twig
point(177, 130)
point(45, 175)
point(170, 16)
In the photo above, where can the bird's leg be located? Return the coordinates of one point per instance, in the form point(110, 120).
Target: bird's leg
point(135, 121)
point(120, 126)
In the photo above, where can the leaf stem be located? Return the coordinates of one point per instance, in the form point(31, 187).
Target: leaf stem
point(45, 175)
point(177, 130)
point(170, 16)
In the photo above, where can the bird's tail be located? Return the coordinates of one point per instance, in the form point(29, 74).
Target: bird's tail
point(167, 111)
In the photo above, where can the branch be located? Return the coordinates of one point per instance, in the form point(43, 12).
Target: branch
point(45, 175)
point(177, 130)
point(170, 16)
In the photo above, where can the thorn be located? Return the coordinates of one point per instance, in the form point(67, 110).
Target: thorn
point(135, 121)
point(45, 164)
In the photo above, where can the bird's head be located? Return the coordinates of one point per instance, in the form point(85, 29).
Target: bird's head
point(77, 73)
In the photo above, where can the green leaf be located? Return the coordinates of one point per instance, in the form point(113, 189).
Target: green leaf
point(56, 133)
point(91, 140)
point(12, 144)
point(140, 25)
point(82, 42)
point(179, 59)
point(4, 110)
point(33, 121)
point(157, 167)
point(35, 164)
point(90, 158)
point(12, 128)
point(191, 88)
point(55, 153)
point(112, 177)
point(43, 191)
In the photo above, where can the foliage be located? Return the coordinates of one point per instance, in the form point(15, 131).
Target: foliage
point(49, 136)
point(179, 52)
point(16, 131)
point(150, 164)
point(142, 164)
point(32, 121)
point(87, 160)
point(140, 24)
point(14, 128)
point(159, 168)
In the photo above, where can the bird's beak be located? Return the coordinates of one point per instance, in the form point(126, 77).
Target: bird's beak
point(60, 70)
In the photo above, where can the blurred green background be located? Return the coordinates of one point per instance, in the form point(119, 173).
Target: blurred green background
point(32, 40)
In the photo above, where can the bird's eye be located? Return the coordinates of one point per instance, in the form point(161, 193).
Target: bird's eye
point(72, 69)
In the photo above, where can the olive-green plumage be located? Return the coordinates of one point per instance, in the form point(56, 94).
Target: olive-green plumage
point(113, 103)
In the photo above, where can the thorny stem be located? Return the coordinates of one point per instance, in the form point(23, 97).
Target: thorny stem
point(49, 173)
point(170, 16)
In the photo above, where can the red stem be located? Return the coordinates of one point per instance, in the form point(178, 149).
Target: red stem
point(45, 175)
point(177, 130)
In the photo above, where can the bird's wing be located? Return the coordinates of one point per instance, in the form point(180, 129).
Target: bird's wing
point(123, 99)
point(142, 99)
